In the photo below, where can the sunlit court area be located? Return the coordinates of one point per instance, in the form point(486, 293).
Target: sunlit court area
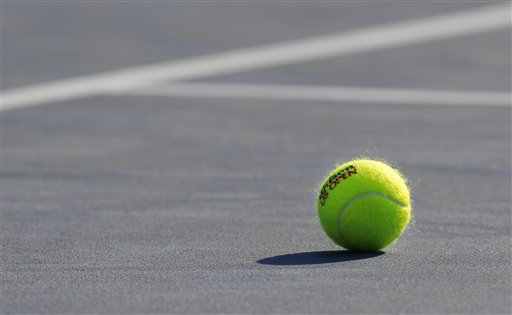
point(245, 157)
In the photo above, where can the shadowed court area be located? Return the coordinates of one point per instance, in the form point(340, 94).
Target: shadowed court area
point(317, 257)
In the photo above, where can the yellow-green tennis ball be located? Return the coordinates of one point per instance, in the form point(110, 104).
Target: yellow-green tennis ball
point(364, 205)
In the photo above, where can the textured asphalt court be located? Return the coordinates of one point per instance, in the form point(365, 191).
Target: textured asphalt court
point(169, 197)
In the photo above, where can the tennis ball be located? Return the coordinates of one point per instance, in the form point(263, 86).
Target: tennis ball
point(364, 205)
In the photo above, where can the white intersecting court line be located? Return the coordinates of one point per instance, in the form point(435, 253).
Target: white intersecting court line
point(363, 40)
point(326, 93)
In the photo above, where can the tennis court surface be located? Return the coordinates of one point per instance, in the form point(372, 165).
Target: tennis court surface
point(165, 157)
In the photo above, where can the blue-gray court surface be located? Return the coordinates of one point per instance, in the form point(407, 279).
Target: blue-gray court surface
point(164, 157)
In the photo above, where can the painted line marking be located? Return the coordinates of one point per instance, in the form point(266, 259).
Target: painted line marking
point(327, 93)
point(368, 39)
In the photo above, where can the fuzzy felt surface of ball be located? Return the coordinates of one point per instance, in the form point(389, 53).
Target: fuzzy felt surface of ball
point(364, 205)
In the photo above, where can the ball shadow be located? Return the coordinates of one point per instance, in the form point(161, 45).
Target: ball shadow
point(316, 258)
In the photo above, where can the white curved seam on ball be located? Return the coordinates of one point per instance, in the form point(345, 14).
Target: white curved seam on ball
point(363, 196)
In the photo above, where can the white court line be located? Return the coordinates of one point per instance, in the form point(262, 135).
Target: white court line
point(328, 93)
point(368, 39)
